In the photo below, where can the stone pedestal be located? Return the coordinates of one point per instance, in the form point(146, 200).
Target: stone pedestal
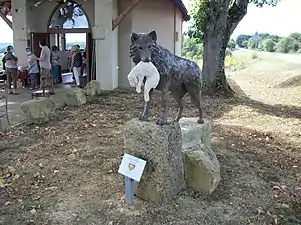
point(202, 169)
point(160, 146)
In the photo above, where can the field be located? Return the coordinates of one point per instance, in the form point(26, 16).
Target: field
point(65, 172)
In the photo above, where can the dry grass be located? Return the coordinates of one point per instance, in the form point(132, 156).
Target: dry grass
point(65, 172)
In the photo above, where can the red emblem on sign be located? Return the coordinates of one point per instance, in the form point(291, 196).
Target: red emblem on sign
point(131, 166)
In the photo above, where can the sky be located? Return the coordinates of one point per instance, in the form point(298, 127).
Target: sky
point(281, 20)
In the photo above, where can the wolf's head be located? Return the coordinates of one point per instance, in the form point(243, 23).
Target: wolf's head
point(143, 45)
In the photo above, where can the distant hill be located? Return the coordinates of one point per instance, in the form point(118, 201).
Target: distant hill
point(3, 46)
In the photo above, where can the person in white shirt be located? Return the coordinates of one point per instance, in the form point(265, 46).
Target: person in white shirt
point(45, 67)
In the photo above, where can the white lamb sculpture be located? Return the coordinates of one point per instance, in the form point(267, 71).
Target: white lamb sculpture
point(137, 74)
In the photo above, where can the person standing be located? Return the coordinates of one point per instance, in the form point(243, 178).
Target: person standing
point(76, 63)
point(11, 68)
point(32, 68)
point(45, 65)
point(55, 64)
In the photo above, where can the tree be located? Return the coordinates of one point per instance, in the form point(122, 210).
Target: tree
point(191, 48)
point(286, 45)
point(232, 45)
point(268, 45)
point(241, 39)
point(251, 44)
point(245, 44)
point(295, 36)
point(214, 21)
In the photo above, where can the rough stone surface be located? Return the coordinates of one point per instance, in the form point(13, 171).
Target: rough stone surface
point(93, 88)
point(60, 99)
point(38, 111)
point(160, 146)
point(76, 97)
point(201, 167)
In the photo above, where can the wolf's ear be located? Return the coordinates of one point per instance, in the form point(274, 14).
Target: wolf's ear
point(153, 35)
point(134, 37)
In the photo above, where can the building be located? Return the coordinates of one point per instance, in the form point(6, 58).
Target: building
point(106, 24)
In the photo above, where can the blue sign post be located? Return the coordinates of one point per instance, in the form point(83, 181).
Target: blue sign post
point(129, 190)
point(132, 168)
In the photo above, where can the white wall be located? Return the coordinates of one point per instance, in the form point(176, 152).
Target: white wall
point(179, 25)
point(20, 27)
point(124, 41)
point(156, 15)
point(163, 16)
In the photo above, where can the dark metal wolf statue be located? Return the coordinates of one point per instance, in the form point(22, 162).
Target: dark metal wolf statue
point(177, 75)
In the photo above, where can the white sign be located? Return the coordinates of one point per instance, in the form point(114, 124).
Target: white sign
point(132, 167)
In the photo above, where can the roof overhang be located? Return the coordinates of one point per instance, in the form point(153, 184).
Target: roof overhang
point(179, 4)
point(183, 9)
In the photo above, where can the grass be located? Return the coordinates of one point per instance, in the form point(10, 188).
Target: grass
point(237, 61)
point(67, 169)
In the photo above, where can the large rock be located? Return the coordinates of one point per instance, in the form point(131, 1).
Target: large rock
point(93, 88)
point(76, 97)
point(60, 99)
point(160, 146)
point(202, 169)
point(38, 111)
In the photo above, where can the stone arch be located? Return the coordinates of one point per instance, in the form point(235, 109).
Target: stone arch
point(69, 15)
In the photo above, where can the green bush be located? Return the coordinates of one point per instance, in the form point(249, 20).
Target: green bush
point(228, 52)
point(251, 44)
point(231, 45)
point(268, 45)
point(191, 49)
point(245, 44)
point(286, 45)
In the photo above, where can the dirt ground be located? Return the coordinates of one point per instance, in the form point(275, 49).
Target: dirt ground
point(65, 172)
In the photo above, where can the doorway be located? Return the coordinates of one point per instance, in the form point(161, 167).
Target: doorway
point(68, 25)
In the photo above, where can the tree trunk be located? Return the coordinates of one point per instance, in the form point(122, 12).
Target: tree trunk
point(214, 78)
point(216, 38)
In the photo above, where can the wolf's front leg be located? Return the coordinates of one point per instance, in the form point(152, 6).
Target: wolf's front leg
point(145, 113)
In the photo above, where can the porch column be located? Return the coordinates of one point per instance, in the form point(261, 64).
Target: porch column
point(19, 19)
point(106, 43)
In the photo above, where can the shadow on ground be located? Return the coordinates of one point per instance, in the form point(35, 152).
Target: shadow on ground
point(223, 106)
point(67, 169)
point(291, 82)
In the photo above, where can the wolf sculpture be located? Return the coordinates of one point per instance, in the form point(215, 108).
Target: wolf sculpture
point(177, 75)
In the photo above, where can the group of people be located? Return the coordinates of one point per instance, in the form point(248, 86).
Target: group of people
point(47, 67)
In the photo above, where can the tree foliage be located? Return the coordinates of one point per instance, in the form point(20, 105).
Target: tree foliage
point(213, 22)
point(268, 45)
point(286, 45)
point(241, 39)
point(201, 10)
point(296, 36)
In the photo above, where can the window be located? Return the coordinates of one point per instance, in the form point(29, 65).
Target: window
point(67, 16)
